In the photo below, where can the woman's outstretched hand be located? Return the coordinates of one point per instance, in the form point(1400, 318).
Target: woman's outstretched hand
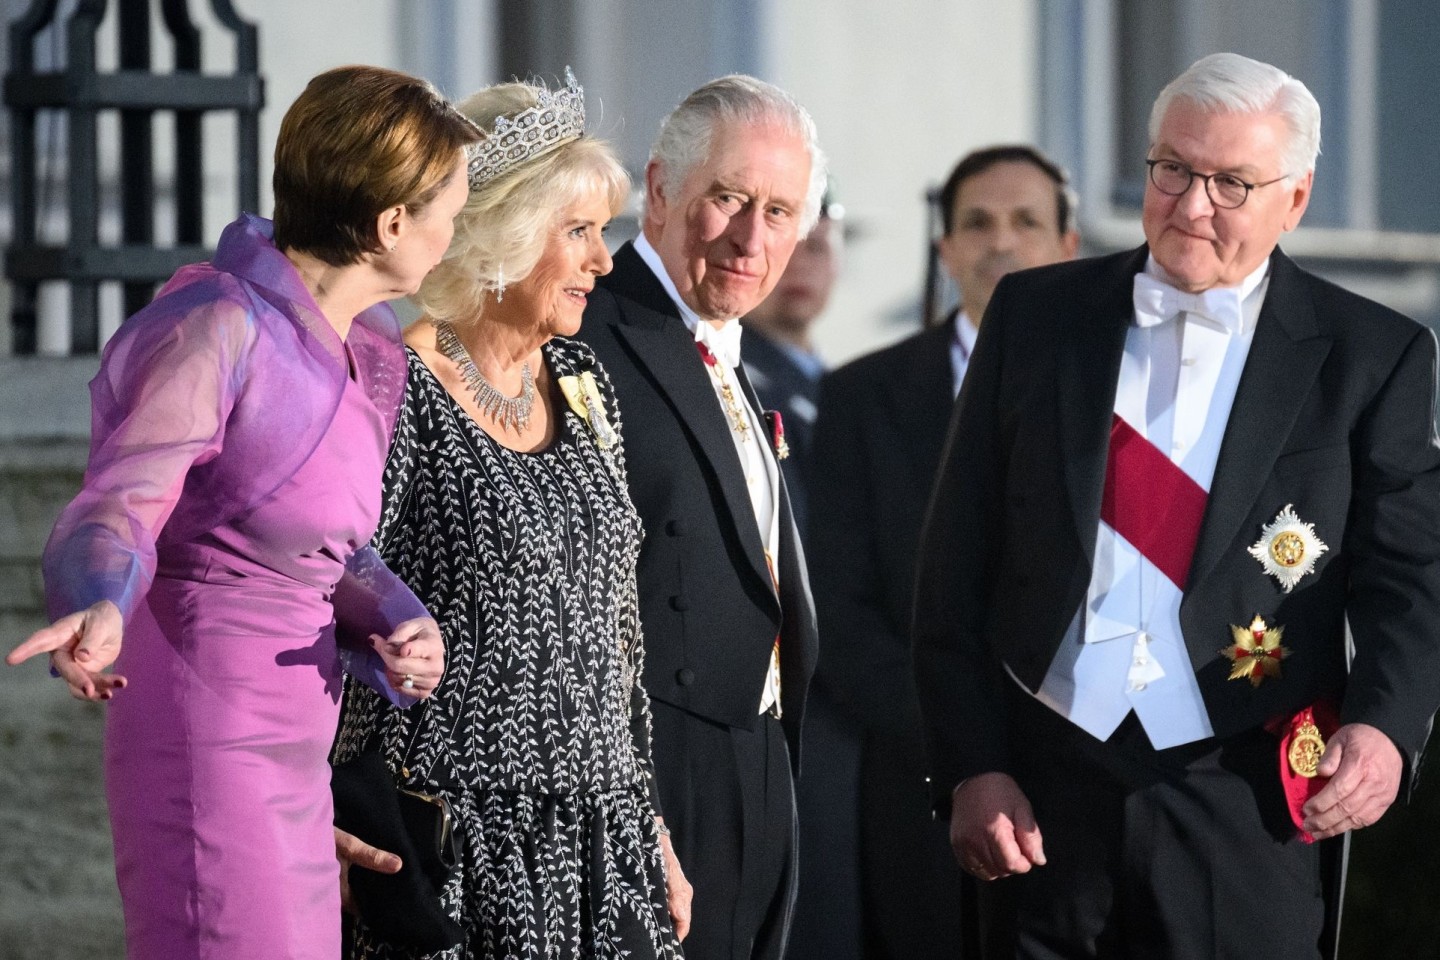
point(81, 646)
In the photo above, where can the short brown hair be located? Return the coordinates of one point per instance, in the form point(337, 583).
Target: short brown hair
point(973, 164)
point(356, 141)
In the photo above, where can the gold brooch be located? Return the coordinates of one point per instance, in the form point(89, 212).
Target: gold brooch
point(1306, 749)
point(583, 395)
point(1288, 548)
point(1256, 652)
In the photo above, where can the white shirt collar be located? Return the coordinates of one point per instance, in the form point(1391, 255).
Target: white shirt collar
point(657, 267)
point(1251, 290)
point(693, 320)
point(962, 344)
point(965, 332)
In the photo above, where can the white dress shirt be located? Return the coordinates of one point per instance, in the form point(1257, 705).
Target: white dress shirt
point(961, 346)
point(762, 471)
point(1124, 650)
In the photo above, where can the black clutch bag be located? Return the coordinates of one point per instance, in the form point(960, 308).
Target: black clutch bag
point(404, 908)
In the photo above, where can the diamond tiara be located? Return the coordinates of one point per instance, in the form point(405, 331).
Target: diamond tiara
point(557, 117)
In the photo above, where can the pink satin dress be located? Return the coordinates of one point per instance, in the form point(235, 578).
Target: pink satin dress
point(215, 755)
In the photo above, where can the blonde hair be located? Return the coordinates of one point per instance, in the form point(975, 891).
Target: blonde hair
point(506, 223)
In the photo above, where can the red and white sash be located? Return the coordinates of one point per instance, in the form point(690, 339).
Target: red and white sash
point(1151, 502)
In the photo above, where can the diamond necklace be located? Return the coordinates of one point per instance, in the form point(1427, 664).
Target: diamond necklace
point(513, 412)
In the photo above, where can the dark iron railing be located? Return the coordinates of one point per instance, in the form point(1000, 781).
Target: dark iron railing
point(81, 93)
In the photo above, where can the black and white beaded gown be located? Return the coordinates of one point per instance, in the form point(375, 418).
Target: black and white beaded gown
point(539, 732)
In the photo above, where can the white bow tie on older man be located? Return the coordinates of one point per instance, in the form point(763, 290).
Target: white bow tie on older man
point(723, 341)
point(1157, 302)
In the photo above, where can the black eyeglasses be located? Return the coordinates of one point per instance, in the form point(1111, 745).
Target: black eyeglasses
point(1225, 190)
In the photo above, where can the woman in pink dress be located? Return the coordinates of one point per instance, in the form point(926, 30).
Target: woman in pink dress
point(240, 424)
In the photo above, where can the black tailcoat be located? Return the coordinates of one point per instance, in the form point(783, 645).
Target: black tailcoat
point(707, 601)
point(711, 614)
point(1333, 414)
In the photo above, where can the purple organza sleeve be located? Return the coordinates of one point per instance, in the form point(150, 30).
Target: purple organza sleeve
point(158, 407)
point(370, 600)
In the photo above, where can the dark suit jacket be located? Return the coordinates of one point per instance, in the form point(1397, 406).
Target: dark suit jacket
point(1334, 414)
point(707, 602)
point(877, 444)
point(783, 386)
point(877, 448)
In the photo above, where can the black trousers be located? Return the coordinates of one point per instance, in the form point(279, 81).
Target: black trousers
point(913, 899)
point(729, 801)
point(827, 902)
point(1154, 854)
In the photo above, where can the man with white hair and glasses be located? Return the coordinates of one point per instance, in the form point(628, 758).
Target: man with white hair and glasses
point(733, 183)
point(1173, 477)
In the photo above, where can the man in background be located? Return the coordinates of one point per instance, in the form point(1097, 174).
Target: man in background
point(778, 351)
point(781, 361)
point(878, 442)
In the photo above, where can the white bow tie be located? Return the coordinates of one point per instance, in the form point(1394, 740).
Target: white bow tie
point(723, 342)
point(1157, 301)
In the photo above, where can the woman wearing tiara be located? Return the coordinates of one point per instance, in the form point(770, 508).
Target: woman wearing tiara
point(506, 510)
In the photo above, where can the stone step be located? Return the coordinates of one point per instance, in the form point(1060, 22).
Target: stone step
point(30, 500)
point(37, 479)
point(21, 588)
point(57, 882)
point(56, 865)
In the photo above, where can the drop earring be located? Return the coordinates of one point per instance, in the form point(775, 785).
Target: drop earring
point(500, 283)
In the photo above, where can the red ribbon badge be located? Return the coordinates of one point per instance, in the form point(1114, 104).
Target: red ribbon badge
point(777, 434)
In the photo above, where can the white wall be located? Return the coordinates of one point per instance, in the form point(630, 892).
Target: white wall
point(900, 91)
point(299, 40)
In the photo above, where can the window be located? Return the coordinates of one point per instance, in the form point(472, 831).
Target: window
point(1370, 63)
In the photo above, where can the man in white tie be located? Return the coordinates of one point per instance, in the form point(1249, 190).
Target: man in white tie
point(881, 427)
point(733, 183)
point(1173, 476)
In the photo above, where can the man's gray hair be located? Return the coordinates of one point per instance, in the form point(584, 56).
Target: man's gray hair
point(1231, 83)
point(686, 134)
